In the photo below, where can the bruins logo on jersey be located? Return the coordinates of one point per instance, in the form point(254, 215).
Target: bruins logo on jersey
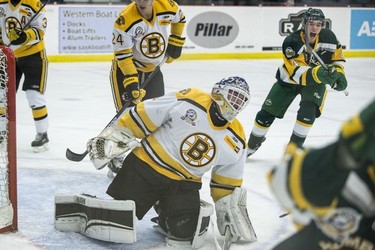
point(153, 45)
point(198, 150)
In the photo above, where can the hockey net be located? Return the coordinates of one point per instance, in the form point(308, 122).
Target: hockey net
point(8, 171)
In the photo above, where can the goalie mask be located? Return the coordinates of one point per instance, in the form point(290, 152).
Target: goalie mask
point(232, 95)
point(313, 15)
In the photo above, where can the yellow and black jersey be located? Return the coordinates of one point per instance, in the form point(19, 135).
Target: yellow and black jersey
point(297, 60)
point(17, 17)
point(180, 141)
point(140, 44)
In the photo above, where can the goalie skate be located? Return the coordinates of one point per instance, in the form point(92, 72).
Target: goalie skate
point(40, 143)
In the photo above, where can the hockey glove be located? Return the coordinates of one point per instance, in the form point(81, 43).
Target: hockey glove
point(333, 76)
point(132, 91)
point(19, 37)
point(339, 74)
point(231, 214)
point(175, 44)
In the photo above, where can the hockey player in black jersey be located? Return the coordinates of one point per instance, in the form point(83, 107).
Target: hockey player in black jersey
point(302, 74)
point(330, 191)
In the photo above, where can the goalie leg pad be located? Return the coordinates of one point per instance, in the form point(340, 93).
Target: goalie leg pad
point(231, 212)
point(107, 220)
point(206, 210)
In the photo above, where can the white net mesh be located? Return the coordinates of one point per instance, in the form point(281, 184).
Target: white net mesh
point(4, 163)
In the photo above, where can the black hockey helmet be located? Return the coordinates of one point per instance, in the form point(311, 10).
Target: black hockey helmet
point(313, 14)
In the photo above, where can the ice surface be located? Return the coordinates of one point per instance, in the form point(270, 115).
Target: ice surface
point(80, 105)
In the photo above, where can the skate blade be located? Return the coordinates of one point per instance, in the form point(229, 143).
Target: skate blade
point(40, 148)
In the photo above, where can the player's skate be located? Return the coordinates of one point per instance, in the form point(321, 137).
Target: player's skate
point(40, 143)
point(254, 144)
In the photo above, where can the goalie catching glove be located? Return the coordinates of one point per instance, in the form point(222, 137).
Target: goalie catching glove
point(334, 76)
point(112, 142)
point(231, 213)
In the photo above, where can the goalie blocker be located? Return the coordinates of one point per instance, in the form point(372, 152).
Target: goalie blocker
point(107, 220)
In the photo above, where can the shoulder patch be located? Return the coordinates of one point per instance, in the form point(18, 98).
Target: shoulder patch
point(289, 52)
point(120, 21)
point(185, 91)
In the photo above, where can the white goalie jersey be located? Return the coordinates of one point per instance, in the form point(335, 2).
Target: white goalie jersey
point(180, 141)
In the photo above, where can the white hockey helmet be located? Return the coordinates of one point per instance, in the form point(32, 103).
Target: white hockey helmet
point(232, 95)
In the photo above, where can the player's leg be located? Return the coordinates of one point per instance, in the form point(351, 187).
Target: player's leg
point(155, 88)
point(200, 234)
point(138, 182)
point(183, 217)
point(275, 105)
point(35, 68)
point(116, 78)
point(311, 105)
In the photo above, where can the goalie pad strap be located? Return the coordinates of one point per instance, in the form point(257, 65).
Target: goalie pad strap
point(231, 211)
point(107, 220)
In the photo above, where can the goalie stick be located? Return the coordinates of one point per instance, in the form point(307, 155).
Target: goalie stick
point(70, 155)
point(318, 57)
point(32, 18)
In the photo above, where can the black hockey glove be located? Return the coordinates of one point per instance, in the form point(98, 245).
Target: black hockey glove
point(132, 91)
point(18, 37)
point(175, 44)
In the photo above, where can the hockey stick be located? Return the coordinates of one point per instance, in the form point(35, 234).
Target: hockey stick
point(70, 155)
point(318, 57)
point(32, 18)
point(284, 214)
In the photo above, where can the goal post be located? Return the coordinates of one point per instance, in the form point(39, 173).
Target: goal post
point(8, 159)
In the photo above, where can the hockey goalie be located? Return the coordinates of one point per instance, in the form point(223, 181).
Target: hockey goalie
point(172, 141)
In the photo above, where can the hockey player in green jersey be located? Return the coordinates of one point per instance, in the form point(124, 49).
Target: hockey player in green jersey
point(183, 135)
point(302, 74)
point(330, 191)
